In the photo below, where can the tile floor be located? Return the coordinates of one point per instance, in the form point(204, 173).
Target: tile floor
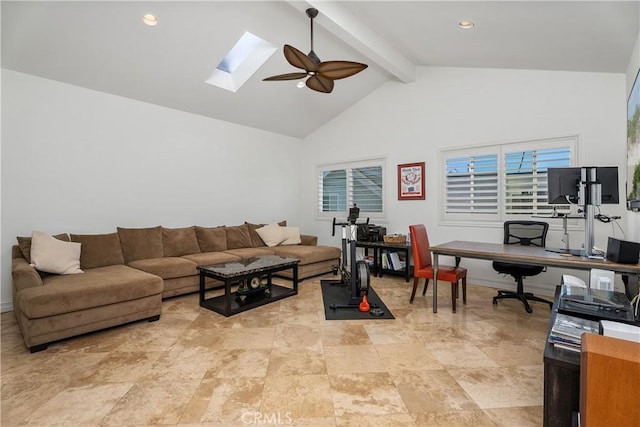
point(284, 364)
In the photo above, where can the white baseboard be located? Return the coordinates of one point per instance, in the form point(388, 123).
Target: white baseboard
point(537, 288)
point(6, 306)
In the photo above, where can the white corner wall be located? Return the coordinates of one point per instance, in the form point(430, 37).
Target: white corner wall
point(449, 107)
point(80, 161)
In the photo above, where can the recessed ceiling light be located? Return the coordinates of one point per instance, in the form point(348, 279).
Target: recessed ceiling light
point(150, 20)
point(466, 24)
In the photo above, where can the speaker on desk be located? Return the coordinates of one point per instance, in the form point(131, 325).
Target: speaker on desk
point(623, 251)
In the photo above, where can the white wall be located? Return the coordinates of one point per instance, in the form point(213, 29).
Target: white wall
point(449, 107)
point(633, 219)
point(80, 161)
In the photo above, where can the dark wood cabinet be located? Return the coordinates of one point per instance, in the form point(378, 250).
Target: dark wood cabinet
point(561, 379)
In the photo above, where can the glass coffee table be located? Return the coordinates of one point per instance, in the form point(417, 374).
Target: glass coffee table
point(253, 279)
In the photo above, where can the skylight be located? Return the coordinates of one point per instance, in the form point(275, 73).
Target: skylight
point(242, 61)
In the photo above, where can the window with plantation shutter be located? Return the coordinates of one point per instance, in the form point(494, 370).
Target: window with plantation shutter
point(472, 184)
point(525, 179)
point(496, 182)
point(340, 185)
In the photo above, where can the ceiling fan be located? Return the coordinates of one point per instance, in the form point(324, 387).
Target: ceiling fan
point(320, 74)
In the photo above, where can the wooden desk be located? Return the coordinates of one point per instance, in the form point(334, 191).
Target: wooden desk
point(528, 255)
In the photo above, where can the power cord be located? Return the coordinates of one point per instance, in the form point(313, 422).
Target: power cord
point(606, 218)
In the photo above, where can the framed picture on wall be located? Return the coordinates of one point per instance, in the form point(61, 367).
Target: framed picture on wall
point(411, 181)
point(633, 148)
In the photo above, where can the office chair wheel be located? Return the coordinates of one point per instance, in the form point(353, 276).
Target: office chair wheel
point(529, 309)
point(495, 301)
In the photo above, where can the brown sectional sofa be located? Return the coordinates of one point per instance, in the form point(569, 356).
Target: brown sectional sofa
point(128, 273)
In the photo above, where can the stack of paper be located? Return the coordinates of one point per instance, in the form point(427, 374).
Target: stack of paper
point(567, 331)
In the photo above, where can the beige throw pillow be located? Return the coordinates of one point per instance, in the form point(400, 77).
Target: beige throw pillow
point(292, 236)
point(51, 255)
point(271, 234)
point(274, 235)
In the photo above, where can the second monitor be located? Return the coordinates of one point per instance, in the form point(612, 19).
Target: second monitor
point(564, 185)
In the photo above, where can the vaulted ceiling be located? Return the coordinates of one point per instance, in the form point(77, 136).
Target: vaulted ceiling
point(104, 46)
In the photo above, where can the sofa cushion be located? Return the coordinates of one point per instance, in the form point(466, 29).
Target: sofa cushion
point(238, 237)
point(179, 241)
point(140, 243)
point(95, 288)
point(211, 258)
point(52, 255)
point(256, 241)
point(249, 252)
point(308, 254)
point(211, 239)
point(166, 267)
point(25, 244)
point(99, 250)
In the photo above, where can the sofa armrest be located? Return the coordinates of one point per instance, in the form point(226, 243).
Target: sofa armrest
point(24, 276)
point(308, 240)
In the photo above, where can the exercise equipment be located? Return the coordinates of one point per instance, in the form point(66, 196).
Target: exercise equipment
point(353, 273)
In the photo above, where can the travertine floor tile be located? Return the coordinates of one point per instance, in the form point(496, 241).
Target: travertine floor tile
point(468, 418)
point(297, 396)
point(503, 387)
point(284, 364)
point(431, 391)
point(85, 405)
point(525, 416)
point(297, 361)
point(461, 355)
point(407, 357)
point(390, 420)
point(344, 334)
point(239, 363)
point(366, 394)
point(225, 401)
point(289, 335)
point(346, 359)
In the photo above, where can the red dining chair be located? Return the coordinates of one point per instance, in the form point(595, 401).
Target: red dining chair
point(422, 267)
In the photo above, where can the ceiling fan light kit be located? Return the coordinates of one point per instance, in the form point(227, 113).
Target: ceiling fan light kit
point(320, 75)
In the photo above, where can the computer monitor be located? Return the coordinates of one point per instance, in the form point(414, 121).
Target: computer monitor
point(564, 184)
point(608, 178)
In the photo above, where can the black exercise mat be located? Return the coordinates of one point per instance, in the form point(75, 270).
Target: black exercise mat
point(340, 294)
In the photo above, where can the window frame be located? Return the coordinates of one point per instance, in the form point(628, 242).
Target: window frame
point(500, 149)
point(348, 166)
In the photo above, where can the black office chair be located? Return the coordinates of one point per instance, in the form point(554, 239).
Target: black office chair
point(527, 233)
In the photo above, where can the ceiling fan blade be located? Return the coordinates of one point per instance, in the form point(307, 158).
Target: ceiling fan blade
point(320, 84)
point(289, 76)
point(335, 70)
point(299, 59)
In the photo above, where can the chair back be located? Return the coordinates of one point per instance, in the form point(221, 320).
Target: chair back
point(420, 246)
point(526, 233)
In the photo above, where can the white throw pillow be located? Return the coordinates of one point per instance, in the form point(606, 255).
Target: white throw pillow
point(292, 236)
point(271, 234)
point(51, 255)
